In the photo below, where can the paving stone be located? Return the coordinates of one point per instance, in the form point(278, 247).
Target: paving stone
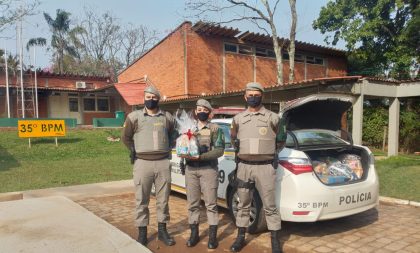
point(389, 228)
point(323, 249)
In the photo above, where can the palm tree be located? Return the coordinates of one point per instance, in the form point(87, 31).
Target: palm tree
point(60, 28)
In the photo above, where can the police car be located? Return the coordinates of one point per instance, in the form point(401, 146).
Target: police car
point(313, 181)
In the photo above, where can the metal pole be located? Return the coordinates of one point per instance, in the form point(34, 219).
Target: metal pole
point(36, 88)
point(56, 142)
point(21, 68)
point(7, 84)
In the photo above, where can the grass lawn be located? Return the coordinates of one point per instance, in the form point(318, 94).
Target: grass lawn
point(83, 156)
point(399, 177)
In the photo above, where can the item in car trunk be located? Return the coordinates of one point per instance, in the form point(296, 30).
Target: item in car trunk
point(354, 162)
point(320, 168)
point(340, 169)
point(329, 179)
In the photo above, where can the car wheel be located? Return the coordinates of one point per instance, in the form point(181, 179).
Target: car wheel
point(257, 222)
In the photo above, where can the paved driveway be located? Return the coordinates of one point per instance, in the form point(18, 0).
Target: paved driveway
point(390, 228)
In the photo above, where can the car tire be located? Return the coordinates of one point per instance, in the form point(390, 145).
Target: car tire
point(258, 222)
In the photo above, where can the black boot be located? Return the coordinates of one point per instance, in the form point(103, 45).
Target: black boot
point(240, 240)
point(164, 236)
point(213, 243)
point(275, 242)
point(142, 235)
point(194, 237)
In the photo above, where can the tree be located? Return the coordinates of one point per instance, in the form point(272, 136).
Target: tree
point(256, 13)
point(10, 12)
point(60, 29)
point(382, 37)
point(136, 41)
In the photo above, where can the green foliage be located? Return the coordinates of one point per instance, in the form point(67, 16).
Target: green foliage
point(410, 127)
point(382, 36)
point(375, 118)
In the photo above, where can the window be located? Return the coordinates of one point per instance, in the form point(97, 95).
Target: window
point(314, 60)
point(260, 51)
point(271, 53)
point(89, 104)
point(231, 48)
point(246, 50)
point(103, 104)
point(73, 104)
point(299, 58)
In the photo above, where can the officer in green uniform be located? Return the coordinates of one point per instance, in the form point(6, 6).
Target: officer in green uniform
point(201, 175)
point(261, 136)
point(151, 132)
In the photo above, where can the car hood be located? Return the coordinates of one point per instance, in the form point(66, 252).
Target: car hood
point(321, 111)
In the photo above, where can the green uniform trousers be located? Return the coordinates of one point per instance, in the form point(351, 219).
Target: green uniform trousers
point(204, 180)
point(145, 174)
point(264, 177)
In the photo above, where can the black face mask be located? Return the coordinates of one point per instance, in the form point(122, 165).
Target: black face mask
point(202, 116)
point(151, 104)
point(253, 101)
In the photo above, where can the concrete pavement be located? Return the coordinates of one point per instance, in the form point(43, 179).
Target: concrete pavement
point(57, 224)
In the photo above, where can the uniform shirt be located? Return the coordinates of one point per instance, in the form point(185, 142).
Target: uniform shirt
point(131, 127)
point(217, 144)
point(278, 125)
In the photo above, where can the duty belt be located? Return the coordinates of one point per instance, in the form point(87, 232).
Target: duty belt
point(198, 163)
point(256, 162)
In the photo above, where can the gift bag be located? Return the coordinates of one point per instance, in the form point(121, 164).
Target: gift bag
point(186, 144)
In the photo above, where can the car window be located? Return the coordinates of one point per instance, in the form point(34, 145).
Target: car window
point(289, 141)
point(314, 137)
point(226, 131)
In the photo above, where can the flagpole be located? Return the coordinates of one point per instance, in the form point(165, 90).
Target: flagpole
point(7, 84)
point(36, 87)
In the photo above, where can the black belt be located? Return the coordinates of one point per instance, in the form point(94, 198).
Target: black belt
point(256, 162)
point(198, 163)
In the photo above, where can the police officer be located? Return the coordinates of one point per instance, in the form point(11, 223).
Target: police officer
point(151, 132)
point(201, 175)
point(261, 135)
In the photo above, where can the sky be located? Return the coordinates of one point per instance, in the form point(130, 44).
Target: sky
point(160, 15)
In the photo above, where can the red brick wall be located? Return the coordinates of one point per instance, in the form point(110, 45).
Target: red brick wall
point(239, 71)
point(337, 66)
point(163, 65)
point(204, 64)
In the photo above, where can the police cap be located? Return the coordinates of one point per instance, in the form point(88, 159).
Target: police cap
point(254, 86)
point(204, 103)
point(152, 90)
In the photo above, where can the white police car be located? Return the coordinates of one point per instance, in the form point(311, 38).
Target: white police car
point(320, 176)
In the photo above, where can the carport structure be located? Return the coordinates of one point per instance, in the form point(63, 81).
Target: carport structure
point(361, 88)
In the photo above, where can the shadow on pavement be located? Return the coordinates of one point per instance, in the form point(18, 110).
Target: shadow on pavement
point(335, 226)
point(7, 160)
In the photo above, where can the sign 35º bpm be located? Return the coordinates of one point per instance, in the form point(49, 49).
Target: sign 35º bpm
point(41, 128)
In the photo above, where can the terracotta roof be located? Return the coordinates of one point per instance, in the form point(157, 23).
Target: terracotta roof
point(286, 86)
point(60, 88)
point(132, 93)
point(213, 29)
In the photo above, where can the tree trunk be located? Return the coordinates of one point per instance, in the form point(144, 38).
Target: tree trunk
point(291, 48)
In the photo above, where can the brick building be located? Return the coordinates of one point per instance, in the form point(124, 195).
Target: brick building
point(205, 59)
point(65, 96)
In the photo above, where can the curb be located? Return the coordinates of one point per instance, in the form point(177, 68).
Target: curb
point(389, 200)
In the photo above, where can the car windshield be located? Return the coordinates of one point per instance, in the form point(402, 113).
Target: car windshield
point(226, 131)
point(314, 137)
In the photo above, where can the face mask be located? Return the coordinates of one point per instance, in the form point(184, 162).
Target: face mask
point(253, 101)
point(151, 104)
point(202, 116)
